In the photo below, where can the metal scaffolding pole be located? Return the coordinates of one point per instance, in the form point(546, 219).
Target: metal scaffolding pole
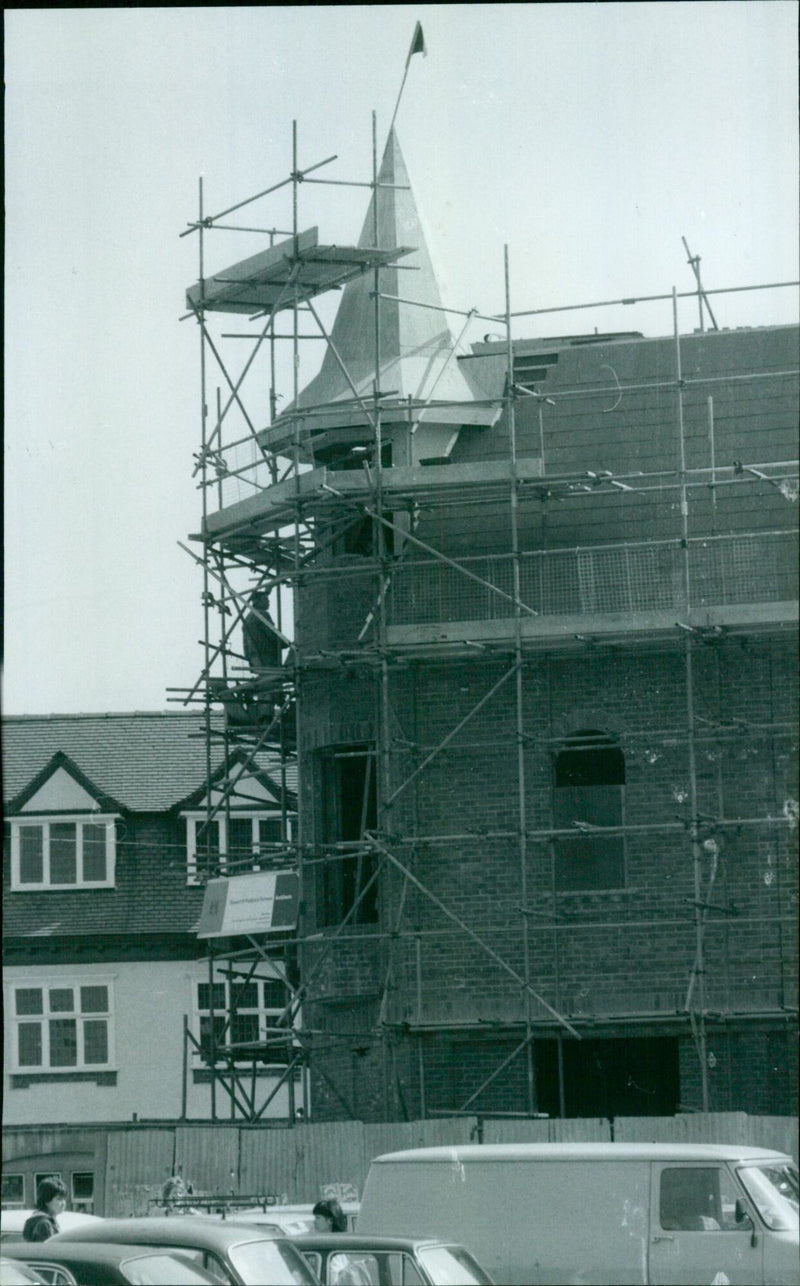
point(288, 561)
point(698, 972)
point(519, 708)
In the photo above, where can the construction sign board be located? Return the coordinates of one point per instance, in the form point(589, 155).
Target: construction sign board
point(258, 903)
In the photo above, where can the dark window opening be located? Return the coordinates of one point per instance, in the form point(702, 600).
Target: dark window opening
point(246, 1012)
point(207, 847)
point(530, 368)
point(361, 537)
point(348, 455)
point(589, 789)
point(13, 1190)
point(83, 1191)
point(636, 1076)
point(349, 799)
point(240, 838)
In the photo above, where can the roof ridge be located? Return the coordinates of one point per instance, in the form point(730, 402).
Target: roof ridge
point(106, 714)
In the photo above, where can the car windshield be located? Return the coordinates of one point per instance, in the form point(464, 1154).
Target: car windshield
point(275, 1262)
point(164, 1270)
point(774, 1191)
point(12, 1274)
point(451, 1266)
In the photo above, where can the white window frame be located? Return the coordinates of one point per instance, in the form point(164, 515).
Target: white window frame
point(256, 816)
point(45, 985)
point(79, 820)
point(268, 1015)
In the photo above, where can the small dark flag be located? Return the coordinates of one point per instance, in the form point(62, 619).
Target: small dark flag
point(417, 42)
point(417, 47)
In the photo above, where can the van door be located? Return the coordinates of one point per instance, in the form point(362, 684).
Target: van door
point(694, 1236)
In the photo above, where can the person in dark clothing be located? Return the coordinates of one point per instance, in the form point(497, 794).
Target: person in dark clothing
point(51, 1200)
point(262, 643)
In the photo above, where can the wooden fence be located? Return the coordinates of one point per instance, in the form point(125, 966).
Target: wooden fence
point(315, 1159)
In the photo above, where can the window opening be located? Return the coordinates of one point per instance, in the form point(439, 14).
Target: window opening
point(349, 810)
point(589, 788)
point(62, 1028)
point(530, 368)
point(631, 1076)
point(68, 853)
point(13, 1191)
point(361, 537)
point(83, 1191)
point(234, 844)
point(246, 1013)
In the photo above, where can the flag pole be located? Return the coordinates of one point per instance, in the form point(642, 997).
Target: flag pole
point(417, 47)
point(400, 95)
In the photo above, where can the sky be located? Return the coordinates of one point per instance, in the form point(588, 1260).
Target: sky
point(587, 138)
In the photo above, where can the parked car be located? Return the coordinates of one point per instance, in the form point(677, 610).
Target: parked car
point(345, 1259)
point(14, 1273)
point(235, 1253)
point(106, 1264)
point(291, 1220)
point(13, 1221)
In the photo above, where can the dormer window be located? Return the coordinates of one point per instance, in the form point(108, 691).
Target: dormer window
point(232, 845)
point(62, 853)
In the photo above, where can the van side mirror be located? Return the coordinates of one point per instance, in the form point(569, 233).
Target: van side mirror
point(743, 1214)
point(744, 1218)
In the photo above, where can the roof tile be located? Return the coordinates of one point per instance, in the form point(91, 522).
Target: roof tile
point(149, 761)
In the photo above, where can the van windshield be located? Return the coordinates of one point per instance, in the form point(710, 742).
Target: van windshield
point(774, 1192)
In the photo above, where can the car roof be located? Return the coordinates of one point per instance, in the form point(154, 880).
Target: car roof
point(254, 1218)
point(582, 1152)
point(367, 1242)
point(177, 1230)
point(15, 1218)
point(89, 1251)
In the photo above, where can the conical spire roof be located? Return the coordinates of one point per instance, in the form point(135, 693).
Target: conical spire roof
point(415, 342)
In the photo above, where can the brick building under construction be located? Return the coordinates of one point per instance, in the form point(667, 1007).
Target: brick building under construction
point(539, 676)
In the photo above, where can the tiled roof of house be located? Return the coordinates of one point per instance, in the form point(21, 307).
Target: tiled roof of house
point(146, 761)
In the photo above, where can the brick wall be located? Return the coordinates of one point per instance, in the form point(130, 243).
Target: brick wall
point(605, 953)
point(609, 956)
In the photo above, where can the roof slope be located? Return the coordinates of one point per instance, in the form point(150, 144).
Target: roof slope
point(148, 761)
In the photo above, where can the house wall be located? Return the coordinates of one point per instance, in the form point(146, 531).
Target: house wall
point(150, 893)
point(150, 1001)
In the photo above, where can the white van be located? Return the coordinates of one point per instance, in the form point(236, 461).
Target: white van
point(597, 1212)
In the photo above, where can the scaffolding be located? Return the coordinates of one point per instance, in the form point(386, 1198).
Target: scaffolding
point(282, 505)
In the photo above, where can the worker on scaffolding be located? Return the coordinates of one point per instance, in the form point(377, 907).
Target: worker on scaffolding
point(250, 701)
point(262, 642)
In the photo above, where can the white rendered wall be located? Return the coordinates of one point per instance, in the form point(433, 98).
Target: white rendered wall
point(149, 1002)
